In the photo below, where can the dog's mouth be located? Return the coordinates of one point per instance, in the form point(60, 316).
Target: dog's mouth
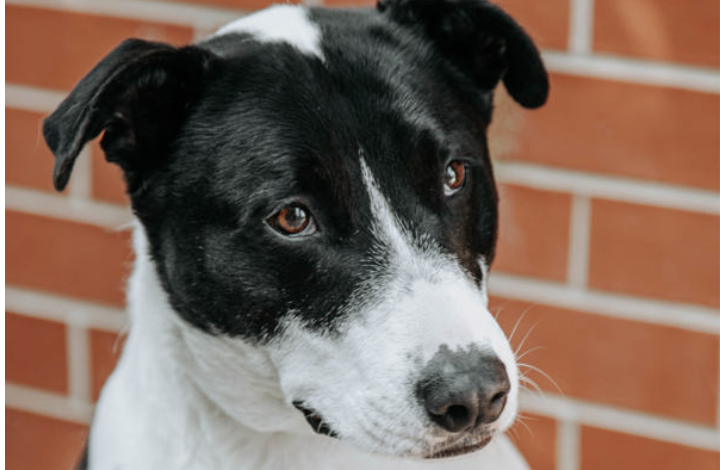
point(315, 420)
point(455, 448)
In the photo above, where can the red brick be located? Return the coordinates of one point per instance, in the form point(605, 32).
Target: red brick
point(667, 30)
point(28, 162)
point(650, 368)
point(105, 349)
point(649, 132)
point(536, 440)
point(37, 442)
point(108, 184)
point(36, 353)
point(54, 49)
point(547, 22)
point(601, 450)
point(655, 252)
point(66, 257)
point(534, 231)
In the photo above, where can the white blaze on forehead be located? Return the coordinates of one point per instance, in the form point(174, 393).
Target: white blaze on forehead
point(483, 288)
point(386, 224)
point(281, 23)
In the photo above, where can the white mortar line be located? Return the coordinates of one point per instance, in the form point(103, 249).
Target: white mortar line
point(609, 187)
point(110, 216)
point(644, 72)
point(72, 312)
point(80, 187)
point(567, 446)
point(49, 404)
point(579, 246)
point(621, 420)
point(78, 357)
point(184, 14)
point(677, 315)
point(312, 3)
point(580, 40)
point(30, 98)
point(717, 417)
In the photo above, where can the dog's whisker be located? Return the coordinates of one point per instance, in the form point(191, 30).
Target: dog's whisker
point(519, 320)
point(497, 314)
point(521, 421)
point(525, 353)
point(544, 374)
point(532, 383)
point(525, 338)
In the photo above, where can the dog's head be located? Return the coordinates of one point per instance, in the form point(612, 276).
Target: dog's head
point(318, 201)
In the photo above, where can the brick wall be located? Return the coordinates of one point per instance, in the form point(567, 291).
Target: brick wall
point(608, 274)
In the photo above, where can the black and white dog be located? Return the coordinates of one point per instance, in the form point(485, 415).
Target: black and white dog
point(316, 217)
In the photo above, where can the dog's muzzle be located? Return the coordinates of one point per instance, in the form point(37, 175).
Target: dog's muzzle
point(461, 393)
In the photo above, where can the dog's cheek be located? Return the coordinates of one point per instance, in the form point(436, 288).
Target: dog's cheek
point(357, 385)
point(239, 377)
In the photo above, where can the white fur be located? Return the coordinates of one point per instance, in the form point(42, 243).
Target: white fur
point(182, 399)
point(280, 23)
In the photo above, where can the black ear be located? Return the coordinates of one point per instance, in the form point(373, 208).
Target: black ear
point(139, 94)
point(480, 39)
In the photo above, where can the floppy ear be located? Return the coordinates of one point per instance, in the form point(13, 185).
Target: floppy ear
point(139, 95)
point(481, 40)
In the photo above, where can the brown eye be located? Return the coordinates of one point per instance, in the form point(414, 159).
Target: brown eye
point(293, 220)
point(454, 177)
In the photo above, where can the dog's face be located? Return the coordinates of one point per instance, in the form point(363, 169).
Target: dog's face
point(318, 200)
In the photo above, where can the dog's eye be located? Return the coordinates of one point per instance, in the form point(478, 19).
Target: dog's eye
point(293, 220)
point(454, 177)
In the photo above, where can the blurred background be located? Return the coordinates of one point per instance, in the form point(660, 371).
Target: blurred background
point(608, 269)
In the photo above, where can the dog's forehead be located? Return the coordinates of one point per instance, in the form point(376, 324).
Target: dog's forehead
point(313, 88)
point(281, 23)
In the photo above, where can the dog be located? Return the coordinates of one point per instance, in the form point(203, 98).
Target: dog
point(316, 216)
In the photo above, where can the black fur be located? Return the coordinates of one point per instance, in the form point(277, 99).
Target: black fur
point(481, 40)
point(216, 138)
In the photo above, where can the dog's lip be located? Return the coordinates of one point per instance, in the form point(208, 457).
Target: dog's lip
point(315, 420)
point(463, 448)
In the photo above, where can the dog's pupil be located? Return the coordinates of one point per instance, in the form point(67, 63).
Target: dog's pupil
point(293, 219)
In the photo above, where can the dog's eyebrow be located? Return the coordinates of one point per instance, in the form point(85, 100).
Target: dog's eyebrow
point(281, 23)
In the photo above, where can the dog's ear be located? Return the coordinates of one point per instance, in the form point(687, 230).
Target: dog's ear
point(480, 39)
point(139, 94)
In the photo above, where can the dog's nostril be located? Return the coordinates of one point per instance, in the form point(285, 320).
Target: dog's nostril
point(454, 418)
point(458, 412)
point(498, 397)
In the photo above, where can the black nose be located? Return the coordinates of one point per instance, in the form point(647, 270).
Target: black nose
point(463, 389)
